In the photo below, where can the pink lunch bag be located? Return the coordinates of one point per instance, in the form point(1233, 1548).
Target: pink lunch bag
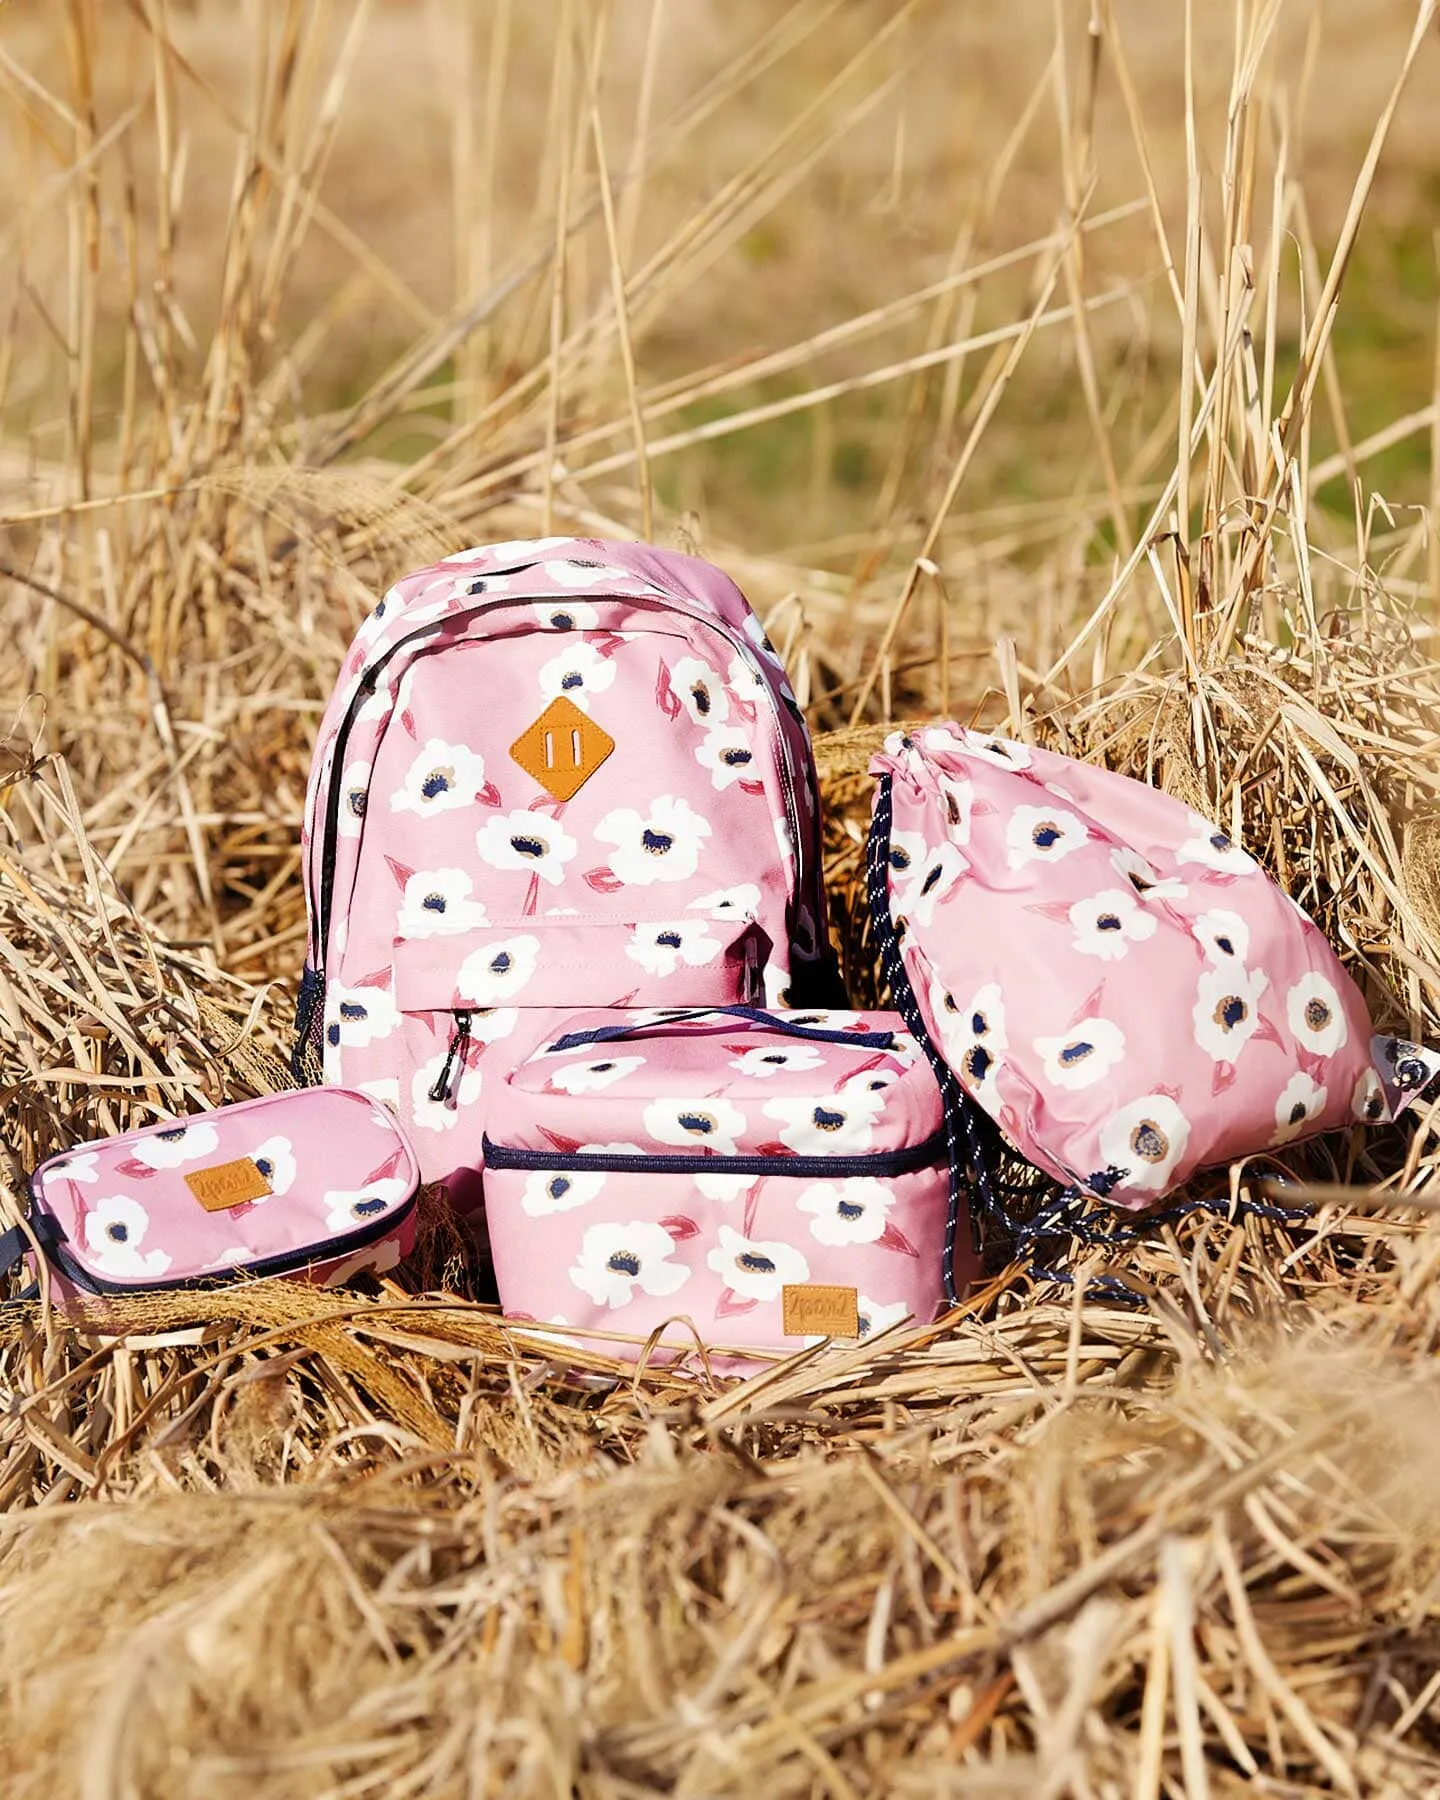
point(1105, 973)
point(317, 1186)
point(765, 1179)
point(553, 774)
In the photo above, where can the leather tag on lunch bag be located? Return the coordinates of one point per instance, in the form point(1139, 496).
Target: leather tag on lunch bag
point(811, 1310)
point(224, 1185)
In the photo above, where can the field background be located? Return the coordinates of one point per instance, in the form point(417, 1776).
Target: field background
point(903, 314)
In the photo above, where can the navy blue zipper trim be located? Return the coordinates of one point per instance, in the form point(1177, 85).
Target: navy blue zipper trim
point(753, 1015)
point(814, 1168)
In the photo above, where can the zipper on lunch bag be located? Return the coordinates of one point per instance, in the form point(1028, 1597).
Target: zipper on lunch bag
point(879, 1163)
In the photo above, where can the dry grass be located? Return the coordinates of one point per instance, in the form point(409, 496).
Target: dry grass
point(322, 1545)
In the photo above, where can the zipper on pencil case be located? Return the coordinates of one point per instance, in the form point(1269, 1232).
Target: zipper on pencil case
point(815, 1168)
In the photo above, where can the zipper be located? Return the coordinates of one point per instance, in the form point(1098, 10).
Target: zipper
point(880, 1162)
point(454, 1063)
point(326, 1250)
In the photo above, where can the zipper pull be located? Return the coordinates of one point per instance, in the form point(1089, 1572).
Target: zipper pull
point(454, 1059)
point(754, 990)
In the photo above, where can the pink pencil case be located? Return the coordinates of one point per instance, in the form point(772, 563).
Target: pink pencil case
point(763, 1179)
point(317, 1185)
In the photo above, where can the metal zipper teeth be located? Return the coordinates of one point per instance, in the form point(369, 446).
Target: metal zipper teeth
point(327, 1250)
point(367, 685)
point(924, 1155)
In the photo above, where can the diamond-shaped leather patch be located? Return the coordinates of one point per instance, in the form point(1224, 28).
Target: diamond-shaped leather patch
point(562, 749)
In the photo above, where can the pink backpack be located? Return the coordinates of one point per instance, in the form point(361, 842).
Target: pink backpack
point(558, 774)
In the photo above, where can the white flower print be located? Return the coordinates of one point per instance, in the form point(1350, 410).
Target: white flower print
point(567, 615)
point(83, 1166)
point(756, 1270)
point(660, 845)
point(556, 1191)
point(1213, 848)
point(532, 841)
point(576, 673)
point(176, 1145)
point(729, 903)
point(908, 851)
point(854, 1211)
point(1316, 1015)
point(1298, 1108)
point(429, 1114)
point(1003, 752)
point(975, 1038)
point(875, 1318)
point(755, 631)
point(745, 681)
point(386, 1090)
point(661, 949)
point(929, 882)
point(1146, 1139)
point(513, 550)
point(1226, 1010)
point(1108, 923)
point(1145, 878)
point(442, 777)
point(345, 1211)
point(776, 1059)
point(611, 1150)
point(613, 1260)
point(114, 1231)
point(726, 753)
point(1367, 1101)
point(354, 796)
point(438, 901)
point(574, 574)
point(700, 690)
point(1224, 937)
point(357, 1016)
point(725, 1188)
point(591, 1077)
point(499, 971)
point(832, 1125)
point(959, 799)
point(1042, 834)
point(488, 1024)
point(275, 1159)
point(1083, 1056)
point(706, 1123)
point(784, 843)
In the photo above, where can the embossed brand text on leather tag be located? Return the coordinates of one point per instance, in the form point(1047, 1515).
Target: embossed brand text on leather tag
point(223, 1185)
point(811, 1310)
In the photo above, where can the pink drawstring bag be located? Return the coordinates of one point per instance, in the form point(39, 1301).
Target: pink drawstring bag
point(317, 1186)
point(1117, 984)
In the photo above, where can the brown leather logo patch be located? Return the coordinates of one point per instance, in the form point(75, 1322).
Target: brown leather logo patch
point(562, 749)
point(229, 1184)
point(814, 1311)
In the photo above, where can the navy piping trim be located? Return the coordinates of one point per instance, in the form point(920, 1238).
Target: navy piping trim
point(881, 1162)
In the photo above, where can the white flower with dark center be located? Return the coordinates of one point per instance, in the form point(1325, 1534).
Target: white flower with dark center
point(1224, 937)
point(354, 797)
point(576, 673)
point(777, 1059)
point(908, 851)
point(662, 844)
point(348, 1211)
point(833, 1125)
point(1299, 1107)
point(1108, 923)
point(1083, 1056)
point(1213, 848)
point(661, 949)
point(1145, 878)
point(729, 903)
point(853, 1211)
point(1316, 1015)
point(114, 1231)
point(574, 574)
point(755, 1269)
point(556, 1191)
point(613, 1260)
point(437, 901)
point(1367, 1101)
point(755, 631)
point(928, 882)
point(875, 1318)
point(974, 1035)
point(1226, 1010)
point(704, 1123)
point(356, 1016)
point(726, 753)
point(1146, 1139)
point(83, 1166)
point(175, 1145)
point(567, 615)
point(462, 1091)
point(745, 681)
point(590, 1077)
point(497, 973)
point(725, 1188)
point(700, 690)
point(275, 1160)
point(1003, 752)
point(442, 777)
point(532, 841)
point(958, 799)
point(1042, 834)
